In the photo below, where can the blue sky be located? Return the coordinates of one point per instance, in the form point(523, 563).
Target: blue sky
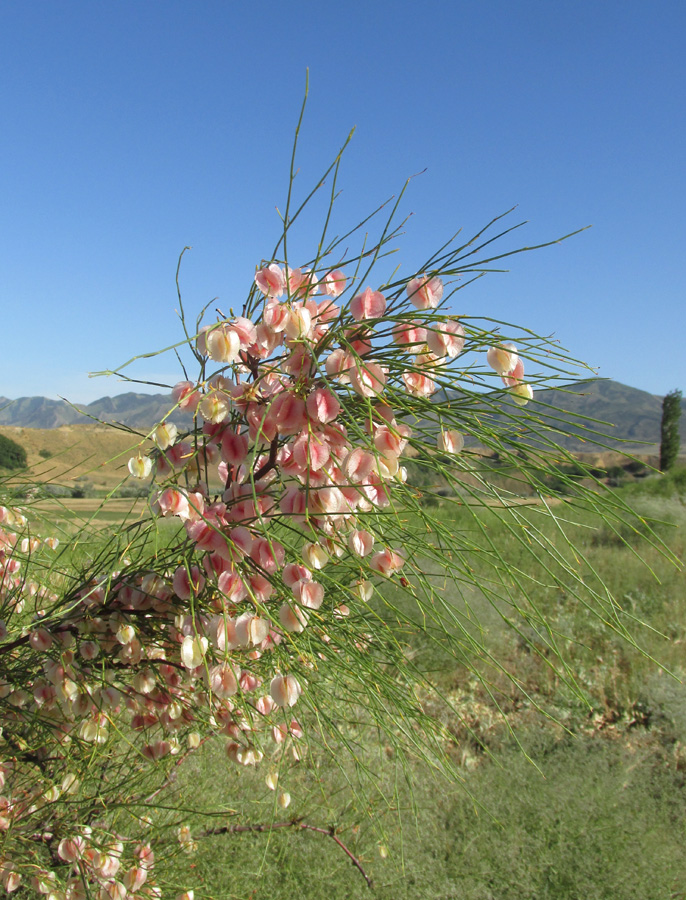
point(132, 129)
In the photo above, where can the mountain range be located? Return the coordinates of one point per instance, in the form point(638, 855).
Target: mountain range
point(134, 410)
point(632, 414)
point(625, 417)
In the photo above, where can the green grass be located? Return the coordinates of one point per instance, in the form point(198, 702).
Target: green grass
point(602, 818)
point(571, 789)
point(595, 809)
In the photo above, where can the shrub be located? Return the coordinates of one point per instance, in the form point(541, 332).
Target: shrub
point(131, 491)
point(56, 490)
point(678, 477)
point(12, 455)
point(82, 489)
point(666, 484)
point(279, 588)
point(576, 470)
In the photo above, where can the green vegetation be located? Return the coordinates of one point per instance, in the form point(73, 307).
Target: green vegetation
point(131, 491)
point(604, 818)
point(671, 484)
point(584, 801)
point(12, 454)
point(669, 430)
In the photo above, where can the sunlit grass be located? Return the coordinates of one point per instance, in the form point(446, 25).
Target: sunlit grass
point(600, 814)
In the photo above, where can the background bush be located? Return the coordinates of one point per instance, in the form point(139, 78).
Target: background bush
point(12, 454)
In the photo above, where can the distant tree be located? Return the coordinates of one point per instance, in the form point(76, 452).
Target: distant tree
point(12, 455)
point(669, 430)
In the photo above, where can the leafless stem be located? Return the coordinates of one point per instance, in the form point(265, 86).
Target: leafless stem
point(271, 462)
point(298, 825)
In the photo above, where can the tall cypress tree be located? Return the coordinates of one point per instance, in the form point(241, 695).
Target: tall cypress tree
point(669, 430)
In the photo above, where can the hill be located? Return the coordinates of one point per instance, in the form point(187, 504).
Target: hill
point(631, 417)
point(131, 409)
point(74, 454)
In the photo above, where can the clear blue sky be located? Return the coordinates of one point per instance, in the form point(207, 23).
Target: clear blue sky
point(131, 129)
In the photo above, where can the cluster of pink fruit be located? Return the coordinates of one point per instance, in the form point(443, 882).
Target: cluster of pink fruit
point(297, 432)
point(281, 487)
point(62, 703)
point(15, 587)
point(300, 434)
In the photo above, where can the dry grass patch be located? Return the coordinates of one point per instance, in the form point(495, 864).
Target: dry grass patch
point(70, 452)
point(69, 514)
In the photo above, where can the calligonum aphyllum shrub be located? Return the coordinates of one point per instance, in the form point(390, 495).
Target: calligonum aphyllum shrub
point(296, 452)
point(279, 498)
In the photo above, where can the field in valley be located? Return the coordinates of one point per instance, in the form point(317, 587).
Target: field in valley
point(97, 454)
point(566, 794)
point(92, 460)
point(569, 790)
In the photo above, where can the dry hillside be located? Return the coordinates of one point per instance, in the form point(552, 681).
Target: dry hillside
point(98, 454)
point(86, 452)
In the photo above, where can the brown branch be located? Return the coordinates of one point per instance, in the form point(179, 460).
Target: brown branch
point(271, 462)
point(24, 753)
point(299, 825)
point(14, 644)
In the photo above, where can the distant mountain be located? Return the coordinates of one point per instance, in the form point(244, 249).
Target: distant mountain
point(635, 414)
point(134, 410)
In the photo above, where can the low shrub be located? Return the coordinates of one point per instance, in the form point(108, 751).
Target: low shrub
point(83, 490)
point(12, 454)
point(130, 491)
point(55, 490)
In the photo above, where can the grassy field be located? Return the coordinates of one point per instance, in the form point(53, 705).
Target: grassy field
point(568, 791)
point(72, 513)
point(571, 785)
